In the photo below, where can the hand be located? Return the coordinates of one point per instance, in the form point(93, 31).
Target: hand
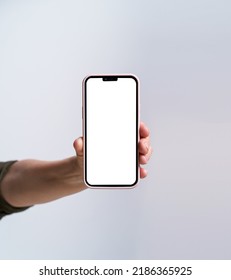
point(145, 150)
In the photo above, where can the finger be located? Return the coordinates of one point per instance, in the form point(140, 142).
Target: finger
point(144, 131)
point(144, 145)
point(143, 159)
point(143, 173)
point(78, 145)
point(148, 155)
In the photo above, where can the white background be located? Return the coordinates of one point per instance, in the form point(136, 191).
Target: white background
point(142, 269)
point(180, 50)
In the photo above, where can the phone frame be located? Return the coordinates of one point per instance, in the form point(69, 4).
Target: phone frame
point(84, 128)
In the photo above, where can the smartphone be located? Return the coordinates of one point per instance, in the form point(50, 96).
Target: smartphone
point(111, 131)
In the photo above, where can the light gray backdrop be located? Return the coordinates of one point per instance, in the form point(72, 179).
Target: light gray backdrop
point(180, 50)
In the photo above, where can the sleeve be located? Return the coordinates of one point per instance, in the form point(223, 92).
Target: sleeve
point(5, 207)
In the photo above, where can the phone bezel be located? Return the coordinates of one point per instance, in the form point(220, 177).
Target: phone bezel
point(84, 114)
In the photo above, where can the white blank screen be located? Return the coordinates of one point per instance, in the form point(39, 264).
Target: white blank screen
point(111, 127)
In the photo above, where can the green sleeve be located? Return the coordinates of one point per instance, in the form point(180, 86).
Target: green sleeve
point(5, 207)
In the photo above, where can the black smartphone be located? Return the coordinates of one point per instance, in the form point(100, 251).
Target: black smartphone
point(111, 131)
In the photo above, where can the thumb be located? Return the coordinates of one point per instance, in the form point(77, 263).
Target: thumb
point(78, 146)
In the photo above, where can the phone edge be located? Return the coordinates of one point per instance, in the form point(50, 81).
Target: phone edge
point(83, 130)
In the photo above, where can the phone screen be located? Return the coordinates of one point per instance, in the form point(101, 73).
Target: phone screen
point(111, 117)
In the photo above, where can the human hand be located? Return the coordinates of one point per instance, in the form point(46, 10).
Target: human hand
point(145, 149)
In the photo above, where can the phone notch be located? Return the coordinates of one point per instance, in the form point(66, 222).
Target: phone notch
point(110, 79)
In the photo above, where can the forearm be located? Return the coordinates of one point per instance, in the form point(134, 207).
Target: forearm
point(30, 182)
